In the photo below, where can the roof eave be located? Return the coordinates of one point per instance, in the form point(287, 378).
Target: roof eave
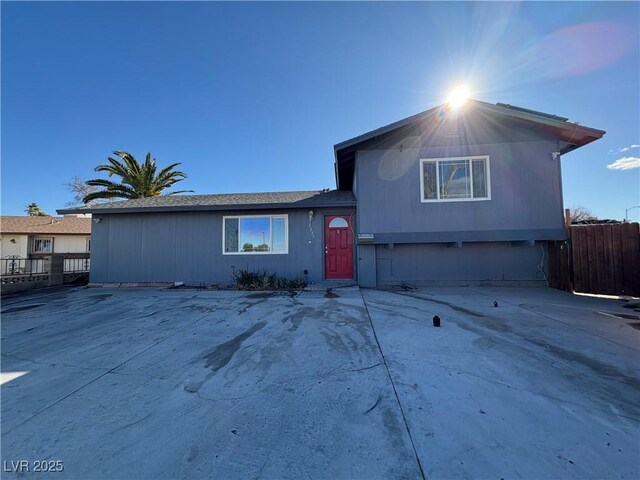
point(214, 208)
point(570, 147)
point(67, 211)
point(385, 129)
point(547, 120)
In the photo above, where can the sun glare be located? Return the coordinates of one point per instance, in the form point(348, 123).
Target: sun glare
point(458, 96)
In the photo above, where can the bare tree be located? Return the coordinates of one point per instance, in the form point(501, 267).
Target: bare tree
point(80, 190)
point(580, 214)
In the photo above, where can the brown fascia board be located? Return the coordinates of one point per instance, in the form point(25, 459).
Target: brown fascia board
point(570, 147)
point(211, 208)
point(544, 119)
point(565, 131)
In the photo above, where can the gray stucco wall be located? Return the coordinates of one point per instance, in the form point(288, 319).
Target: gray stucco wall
point(474, 262)
point(525, 204)
point(187, 247)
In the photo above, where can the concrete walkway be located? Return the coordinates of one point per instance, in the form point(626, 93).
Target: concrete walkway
point(150, 383)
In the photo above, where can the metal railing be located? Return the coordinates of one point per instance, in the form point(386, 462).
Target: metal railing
point(14, 265)
point(76, 265)
point(19, 274)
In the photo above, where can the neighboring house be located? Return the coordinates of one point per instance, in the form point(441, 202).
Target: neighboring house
point(467, 195)
point(37, 237)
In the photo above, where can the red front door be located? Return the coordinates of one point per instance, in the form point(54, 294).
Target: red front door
point(338, 247)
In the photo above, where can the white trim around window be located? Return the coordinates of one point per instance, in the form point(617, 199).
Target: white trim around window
point(438, 163)
point(273, 242)
point(41, 245)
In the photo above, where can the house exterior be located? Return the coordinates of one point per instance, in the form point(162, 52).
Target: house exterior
point(37, 237)
point(446, 196)
point(200, 239)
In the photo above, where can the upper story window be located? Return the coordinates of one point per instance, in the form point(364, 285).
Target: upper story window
point(41, 245)
point(455, 179)
point(253, 235)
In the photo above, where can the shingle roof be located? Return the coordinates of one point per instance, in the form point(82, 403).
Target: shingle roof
point(45, 225)
point(228, 201)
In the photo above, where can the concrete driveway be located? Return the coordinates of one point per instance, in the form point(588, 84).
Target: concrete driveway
point(145, 383)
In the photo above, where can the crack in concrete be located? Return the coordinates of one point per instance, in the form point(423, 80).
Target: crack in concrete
point(273, 447)
point(384, 360)
point(52, 364)
point(365, 368)
point(135, 422)
point(456, 308)
point(137, 373)
point(373, 406)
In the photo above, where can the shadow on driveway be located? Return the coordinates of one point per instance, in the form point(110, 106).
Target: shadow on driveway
point(145, 383)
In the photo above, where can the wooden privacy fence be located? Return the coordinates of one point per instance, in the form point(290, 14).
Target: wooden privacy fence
point(559, 265)
point(602, 259)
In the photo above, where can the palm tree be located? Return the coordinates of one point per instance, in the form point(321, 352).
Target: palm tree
point(137, 180)
point(34, 210)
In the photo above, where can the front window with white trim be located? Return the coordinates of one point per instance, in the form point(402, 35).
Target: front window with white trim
point(455, 179)
point(255, 235)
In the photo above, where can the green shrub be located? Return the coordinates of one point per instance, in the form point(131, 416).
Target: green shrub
point(245, 279)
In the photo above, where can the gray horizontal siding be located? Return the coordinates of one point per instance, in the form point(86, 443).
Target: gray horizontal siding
point(526, 196)
point(479, 262)
point(187, 247)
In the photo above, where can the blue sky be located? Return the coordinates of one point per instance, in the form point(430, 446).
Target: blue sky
point(252, 97)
